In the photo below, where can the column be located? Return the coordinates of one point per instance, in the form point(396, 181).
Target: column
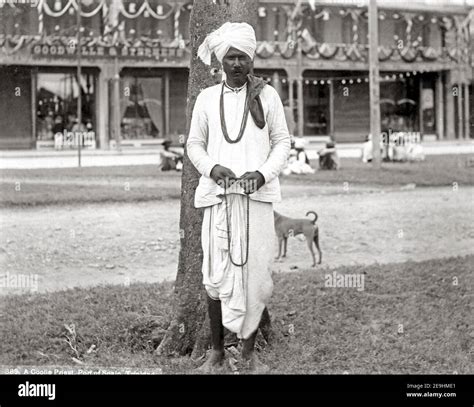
point(300, 106)
point(460, 111)
point(34, 114)
point(467, 113)
point(420, 106)
point(439, 106)
point(331, 111)
point(102, 106)
point(291, 95)
point(277, 84)
point(167, 104)
point(449, 101)
point(299, 88)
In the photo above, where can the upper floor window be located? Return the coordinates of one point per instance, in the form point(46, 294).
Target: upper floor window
point(60, 18)
point(272, 23)
point(18, 19)
point(166, 20)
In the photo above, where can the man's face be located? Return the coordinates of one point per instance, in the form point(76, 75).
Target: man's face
point(236, 65)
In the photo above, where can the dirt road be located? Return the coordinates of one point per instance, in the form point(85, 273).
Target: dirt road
point(72, 246)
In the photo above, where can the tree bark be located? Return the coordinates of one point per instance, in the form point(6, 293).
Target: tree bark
point(188, 332)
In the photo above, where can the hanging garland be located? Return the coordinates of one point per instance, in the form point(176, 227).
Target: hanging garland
point(267, 49)
point(10, 50)
point(71, 3)
point(146, 6)
point(52, 13)
point(90, 13)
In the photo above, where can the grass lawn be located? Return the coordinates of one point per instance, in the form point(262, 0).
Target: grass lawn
point(438, 170)
point(140, 183)
point(410, 318)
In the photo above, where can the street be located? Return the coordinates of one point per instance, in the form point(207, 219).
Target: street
point(119, 243)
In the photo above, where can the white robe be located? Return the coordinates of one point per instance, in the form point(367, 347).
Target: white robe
point(243, 291)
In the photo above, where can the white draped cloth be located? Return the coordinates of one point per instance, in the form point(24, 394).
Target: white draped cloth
point(243, 291)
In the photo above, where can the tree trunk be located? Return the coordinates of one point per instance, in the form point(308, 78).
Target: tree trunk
point(189, 328)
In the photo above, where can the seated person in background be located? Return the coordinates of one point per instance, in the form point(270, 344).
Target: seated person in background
point(367, 149)
point(170, 159)
point(298, 162)
point(328, 157)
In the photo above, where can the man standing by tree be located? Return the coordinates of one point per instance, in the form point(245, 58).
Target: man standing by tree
point(239, 158)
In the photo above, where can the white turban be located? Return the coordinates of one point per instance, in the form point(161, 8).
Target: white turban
point(237, 35)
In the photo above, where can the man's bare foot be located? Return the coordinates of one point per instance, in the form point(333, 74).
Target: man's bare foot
point(254, 365)
point(213, 362)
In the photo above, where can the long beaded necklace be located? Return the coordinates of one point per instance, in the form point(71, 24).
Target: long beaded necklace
point(229, 233)
point(229, 140)
point(244, 119)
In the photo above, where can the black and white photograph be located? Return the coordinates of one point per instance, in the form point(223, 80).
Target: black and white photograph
point(199, 190)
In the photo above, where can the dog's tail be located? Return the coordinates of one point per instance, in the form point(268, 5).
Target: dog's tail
point(315, 216)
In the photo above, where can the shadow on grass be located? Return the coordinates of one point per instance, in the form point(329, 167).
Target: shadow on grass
point(146, 183)
point(410, 318)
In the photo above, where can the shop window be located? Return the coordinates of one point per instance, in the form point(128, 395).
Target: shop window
point(419, 31)
point(427, 101)
point(262, 26)
point(426, 35)
point(15, 107)
point(363, 27)
point(56, 106)
point(400, 31)
point(399, 105)
point(317, 29)
point(141, 107)
point(184, 18)
point(333, 30)
point(178, 89)
point(347, 33)
point(386, 31)
point(281, 23)
point(314, 25)
point(316, 108)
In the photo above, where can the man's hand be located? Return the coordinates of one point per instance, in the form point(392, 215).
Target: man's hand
point(251, 181)
point(223, 175)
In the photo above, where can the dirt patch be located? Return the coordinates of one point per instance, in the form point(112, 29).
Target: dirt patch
point(119, 243)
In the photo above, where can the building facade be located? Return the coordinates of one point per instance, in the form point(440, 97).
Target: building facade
point(314, 53)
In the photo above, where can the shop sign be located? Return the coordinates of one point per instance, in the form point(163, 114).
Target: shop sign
point(63, 51)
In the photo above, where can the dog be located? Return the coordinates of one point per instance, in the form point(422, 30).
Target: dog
point(285, 226)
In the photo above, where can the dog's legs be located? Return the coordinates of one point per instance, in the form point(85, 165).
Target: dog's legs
point(279, 248)
point(285, 241)
point(316, 242)
point(310, 246)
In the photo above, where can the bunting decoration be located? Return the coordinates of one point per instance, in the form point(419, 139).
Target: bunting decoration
point(298, 17)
